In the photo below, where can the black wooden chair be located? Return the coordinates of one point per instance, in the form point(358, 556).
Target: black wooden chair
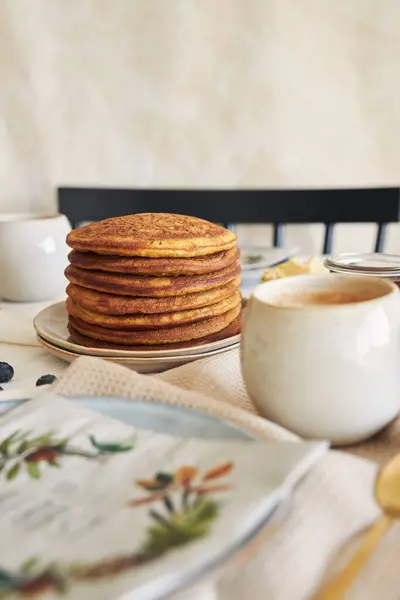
point(375, 205)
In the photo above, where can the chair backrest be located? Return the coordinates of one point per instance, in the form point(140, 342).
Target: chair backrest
point(371, 205)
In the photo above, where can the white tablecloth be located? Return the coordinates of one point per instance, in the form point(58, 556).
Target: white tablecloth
point(20, 348)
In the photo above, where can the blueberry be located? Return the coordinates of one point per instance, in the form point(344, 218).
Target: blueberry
point(6, 372)
point(46, 379)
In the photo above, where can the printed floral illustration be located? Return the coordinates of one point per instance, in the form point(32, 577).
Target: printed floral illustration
point(20, 452)
point(183, 511)
point(31, 580)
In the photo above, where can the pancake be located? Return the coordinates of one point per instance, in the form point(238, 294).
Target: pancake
point(152, 235)
point(232, 329)
point(154, 321)
point(169, 335)
point(145, 285)
point(154, 266)
point(111, 304)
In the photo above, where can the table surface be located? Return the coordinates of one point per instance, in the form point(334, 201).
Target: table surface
point(20, 348)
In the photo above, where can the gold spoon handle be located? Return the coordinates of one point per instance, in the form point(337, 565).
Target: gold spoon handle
point(341, 583)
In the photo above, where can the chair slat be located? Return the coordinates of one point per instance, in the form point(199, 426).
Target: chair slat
point(279, 234)
point(374, 205)
point(380, 237)
point(328, 238)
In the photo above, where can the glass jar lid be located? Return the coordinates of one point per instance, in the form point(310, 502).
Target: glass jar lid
point(379, 265)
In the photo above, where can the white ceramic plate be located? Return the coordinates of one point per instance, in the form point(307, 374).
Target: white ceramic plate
point(152, 364)
point(256, 258)
point(279, 467)
point(51, 325)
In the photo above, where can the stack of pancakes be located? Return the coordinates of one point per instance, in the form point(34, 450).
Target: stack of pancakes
point(152, 280)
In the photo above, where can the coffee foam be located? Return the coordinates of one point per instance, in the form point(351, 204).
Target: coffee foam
point(304, 298)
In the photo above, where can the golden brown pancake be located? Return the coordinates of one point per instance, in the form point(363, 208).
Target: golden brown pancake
point(232, 329)
point(154, 266)
point(152, 235)
point(154, 321)
point(111, 304)
point(168, 335)
point(145, 285)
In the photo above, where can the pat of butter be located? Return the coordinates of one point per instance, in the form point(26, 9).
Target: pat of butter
point(294, 267)
point(315, 266)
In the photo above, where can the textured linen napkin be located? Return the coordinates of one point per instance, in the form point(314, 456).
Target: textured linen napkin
point(331, 505)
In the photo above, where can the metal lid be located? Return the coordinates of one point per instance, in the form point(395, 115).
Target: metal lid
point(379, 265)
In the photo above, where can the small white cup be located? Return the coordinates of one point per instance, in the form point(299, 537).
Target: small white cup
point(33, 256)
point(329, 371)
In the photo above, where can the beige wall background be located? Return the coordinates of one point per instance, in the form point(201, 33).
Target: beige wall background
point(204, 93)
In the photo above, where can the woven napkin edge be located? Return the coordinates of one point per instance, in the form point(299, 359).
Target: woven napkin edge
point(203, 403)
point(238, 417)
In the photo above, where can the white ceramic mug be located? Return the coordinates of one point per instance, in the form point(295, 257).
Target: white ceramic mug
point(33, 256)
point(328, 371)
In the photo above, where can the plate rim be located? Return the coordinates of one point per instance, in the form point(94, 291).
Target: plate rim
point(252, 435)
point(129, 359)
point(201, 350)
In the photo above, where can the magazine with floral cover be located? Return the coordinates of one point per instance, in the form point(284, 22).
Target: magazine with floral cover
point(93, 508)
